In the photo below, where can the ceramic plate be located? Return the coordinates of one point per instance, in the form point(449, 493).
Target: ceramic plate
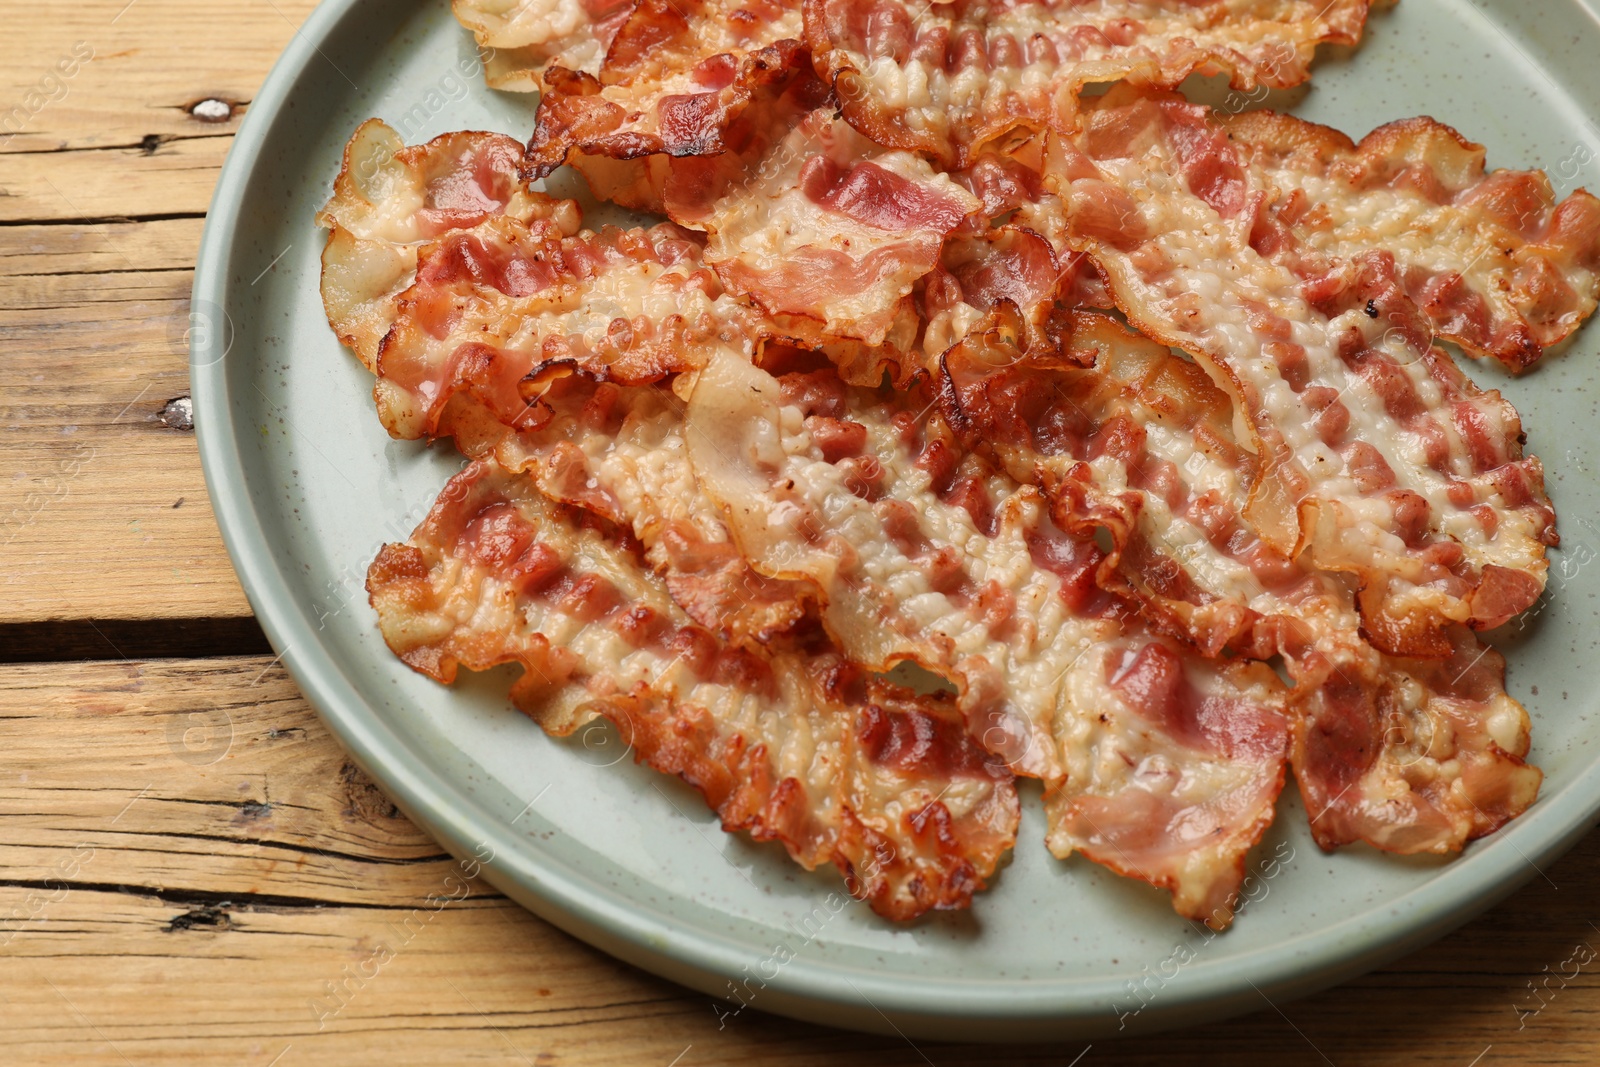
point(307, 485)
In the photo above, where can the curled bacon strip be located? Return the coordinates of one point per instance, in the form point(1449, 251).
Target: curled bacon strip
point(495, 310)
point(1492, 260)
point(1379, 456)
point(1128, 439)
point(1033, 630)
point(519, 38)
point(829, 234)
point(794, 745)
point(920, 553)
point(677, 75)
point(389, 199)
point(950, 79)
point(619, 452)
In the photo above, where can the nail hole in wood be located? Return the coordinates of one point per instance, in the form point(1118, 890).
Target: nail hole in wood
point(205, 918)
point(178, 413)
point(211, 109)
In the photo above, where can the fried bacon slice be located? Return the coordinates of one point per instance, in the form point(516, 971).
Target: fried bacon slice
point(1174, 765)
point(1128, 439)
point(829, 234)
point(950, 79)
point(464, 290)
point(1158, 763)
point(793, 745)
point(520, 38)
point(494, 310)
point(390, 199)
point(1032, 630)
point(619, 451)
point(1413, 755)
point(524, 344)
point(1379, 457)
point(677, 75)
point(1492, 260)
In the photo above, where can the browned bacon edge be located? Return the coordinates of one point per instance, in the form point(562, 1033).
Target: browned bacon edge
point(574, 116)
point(1434, 161)
point(1372, 763)
point(831, 23)
point(495, 526)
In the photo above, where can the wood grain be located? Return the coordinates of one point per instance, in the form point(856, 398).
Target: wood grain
point(92, 482)
point(190, 869)
point(230, 890)
point(104, 179)
point(152, 60)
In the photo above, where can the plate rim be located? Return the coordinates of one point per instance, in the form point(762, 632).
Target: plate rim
point(585, 906)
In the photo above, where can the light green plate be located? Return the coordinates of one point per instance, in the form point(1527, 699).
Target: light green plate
point(307, 486)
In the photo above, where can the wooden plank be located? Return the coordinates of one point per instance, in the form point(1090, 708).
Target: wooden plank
point(103, 509)
point(193, 874)
point(229, 788)
point(174, 179)
point(151, 61)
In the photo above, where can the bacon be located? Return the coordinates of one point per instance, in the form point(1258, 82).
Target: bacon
point(1126, 437)
point(679, 73)
point(520, 38)
point(829, 234)
point(958, 568)
point(512, 341)
point(495, 310)
point(619, 452)
point(1310, 377)
point(724, 480)
point(951, 79)
point(1195, 753)
point(1008, 266)
point(389, 199)
point(793, 745)
point(686, 188)
point(1408, 755)
point(622, 452)
point(1413, 755)
point(1492, 260)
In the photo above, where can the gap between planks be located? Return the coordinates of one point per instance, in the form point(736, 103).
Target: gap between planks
point(195, 873)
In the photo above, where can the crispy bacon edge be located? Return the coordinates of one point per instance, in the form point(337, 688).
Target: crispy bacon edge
point(834, 28)
point(936, 861)
point(467, 177)
point(1544, 256)
point(575, 115)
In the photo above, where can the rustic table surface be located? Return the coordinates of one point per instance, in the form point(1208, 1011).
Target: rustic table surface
point(189, 865)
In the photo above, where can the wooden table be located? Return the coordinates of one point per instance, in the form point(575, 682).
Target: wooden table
point(190, 869)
